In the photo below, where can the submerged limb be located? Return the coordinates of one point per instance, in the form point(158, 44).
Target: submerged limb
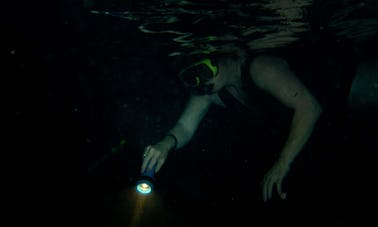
point(364, 89)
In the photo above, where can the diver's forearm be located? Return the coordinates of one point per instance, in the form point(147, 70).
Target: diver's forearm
point(302, 126)
point(183, 136)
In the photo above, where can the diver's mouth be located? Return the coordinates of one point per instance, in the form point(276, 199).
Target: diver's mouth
point(204, 90)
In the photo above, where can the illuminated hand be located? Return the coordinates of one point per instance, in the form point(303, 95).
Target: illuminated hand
point(275, 177)
point(154, 155)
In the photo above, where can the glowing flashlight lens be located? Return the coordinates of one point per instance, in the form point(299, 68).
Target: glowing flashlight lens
point(144, 188)
point(145, 182)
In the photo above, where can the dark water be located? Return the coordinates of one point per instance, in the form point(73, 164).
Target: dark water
point(75, 85)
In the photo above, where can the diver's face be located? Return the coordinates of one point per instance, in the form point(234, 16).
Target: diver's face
point(211, 86)
point(201, 78)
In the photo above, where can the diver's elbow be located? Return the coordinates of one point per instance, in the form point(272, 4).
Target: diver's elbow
point(317, 109)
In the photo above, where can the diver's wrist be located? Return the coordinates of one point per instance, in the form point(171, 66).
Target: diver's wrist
point(173, 139)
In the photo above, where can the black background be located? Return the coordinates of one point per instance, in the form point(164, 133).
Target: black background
point(75, 84)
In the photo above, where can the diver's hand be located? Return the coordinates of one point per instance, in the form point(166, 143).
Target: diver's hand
point(154, 155)
point(275, 177)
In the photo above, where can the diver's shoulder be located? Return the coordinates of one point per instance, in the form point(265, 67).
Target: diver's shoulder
point(266, 63)
point(266, 60)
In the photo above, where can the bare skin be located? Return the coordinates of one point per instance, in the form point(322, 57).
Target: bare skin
point(270, 74)
point(364, 90)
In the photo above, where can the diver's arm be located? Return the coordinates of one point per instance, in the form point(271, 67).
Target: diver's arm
point(187, 124)
point(274, 76)
point(179, 135)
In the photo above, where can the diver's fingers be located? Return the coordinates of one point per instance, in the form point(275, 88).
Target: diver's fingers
point(266, 189)
point(146, 158)
point(159, 165)
point(264, 192)
point(146, 162)
point(152, 162)
point(270, 188)
point(279, 190)
point(278, 184)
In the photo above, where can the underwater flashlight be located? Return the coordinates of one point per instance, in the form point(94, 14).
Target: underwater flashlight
point(146, 182)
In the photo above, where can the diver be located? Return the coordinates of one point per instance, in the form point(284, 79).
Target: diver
point(209, 78)
point(270, 74)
